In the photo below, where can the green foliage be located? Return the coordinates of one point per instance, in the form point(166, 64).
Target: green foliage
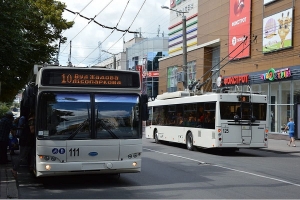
point(29, 34)
point(3, 108)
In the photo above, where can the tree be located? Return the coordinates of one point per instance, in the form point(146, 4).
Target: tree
point(29, 33)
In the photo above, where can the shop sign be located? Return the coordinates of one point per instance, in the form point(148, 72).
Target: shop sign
point(186, 7)
point(236, 80)
point(273, 74)
point(150, 74)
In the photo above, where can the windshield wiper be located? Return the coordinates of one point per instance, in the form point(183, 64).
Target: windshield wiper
point(78, 129)
point(103, 125)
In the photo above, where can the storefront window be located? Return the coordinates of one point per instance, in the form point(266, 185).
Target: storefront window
point(286, 92)
point(274, 94)
point(255, 89)
point(296, 91)
point(264, 89)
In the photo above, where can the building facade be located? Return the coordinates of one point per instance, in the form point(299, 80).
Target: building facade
point(120, 59)
point(250, 44)
point(143, 56)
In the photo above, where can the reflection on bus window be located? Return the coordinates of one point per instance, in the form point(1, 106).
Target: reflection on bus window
point(63, 114)
point(66, 116)
point(117, 116)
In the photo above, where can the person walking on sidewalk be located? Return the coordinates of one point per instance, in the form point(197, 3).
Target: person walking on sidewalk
point(291, 127)
point(29, 147)
point(6, 124)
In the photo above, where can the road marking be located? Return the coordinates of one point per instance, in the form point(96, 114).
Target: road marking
point(236, 170)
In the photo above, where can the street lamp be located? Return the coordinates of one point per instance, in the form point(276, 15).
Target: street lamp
point(184, 46)
point(114, 57)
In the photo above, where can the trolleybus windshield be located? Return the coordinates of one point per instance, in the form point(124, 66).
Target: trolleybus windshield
point(84, 116)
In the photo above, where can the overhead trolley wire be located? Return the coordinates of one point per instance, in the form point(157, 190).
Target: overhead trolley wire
point(90, 19)
point(122, 34)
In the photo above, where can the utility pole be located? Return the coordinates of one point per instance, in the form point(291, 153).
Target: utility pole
point(184, 52)
point(184, 46)
point(70, 63)
point(114, 58)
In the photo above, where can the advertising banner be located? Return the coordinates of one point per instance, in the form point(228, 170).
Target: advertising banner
point(239, 28)
point(277, 31)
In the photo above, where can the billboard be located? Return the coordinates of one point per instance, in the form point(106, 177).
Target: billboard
point(239, 28)
point(277, 31)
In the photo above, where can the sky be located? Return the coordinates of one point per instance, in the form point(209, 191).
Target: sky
point(145, 16)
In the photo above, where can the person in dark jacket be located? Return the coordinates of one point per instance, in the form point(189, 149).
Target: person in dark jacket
point(6, 125)
point(29, 145)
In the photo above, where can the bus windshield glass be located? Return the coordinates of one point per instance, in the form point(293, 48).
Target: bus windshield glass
point(243, 110)
point(85, 116)
point(117, 116)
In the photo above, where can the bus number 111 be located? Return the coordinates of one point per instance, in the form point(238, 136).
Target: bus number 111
point(74, 152)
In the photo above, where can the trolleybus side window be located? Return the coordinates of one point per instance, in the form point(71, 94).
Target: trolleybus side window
point(171, 115)
point(179, 115)
point(190, 115)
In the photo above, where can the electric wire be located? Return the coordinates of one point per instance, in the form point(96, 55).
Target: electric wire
point(122, 34)
point(89, 21)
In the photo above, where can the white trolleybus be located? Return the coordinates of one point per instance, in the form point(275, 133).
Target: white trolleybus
point(227, 121)
point(88, 120)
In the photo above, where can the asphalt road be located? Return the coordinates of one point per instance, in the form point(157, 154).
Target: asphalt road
point(171, 172)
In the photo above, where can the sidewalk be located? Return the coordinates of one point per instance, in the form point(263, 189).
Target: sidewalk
point(8, 184)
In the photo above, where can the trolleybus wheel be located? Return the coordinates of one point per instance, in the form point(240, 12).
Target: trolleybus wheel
point(156, 137)
point(189, 142)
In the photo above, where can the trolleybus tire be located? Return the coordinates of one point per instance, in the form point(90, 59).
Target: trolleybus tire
point(189, 142)
point(156, 137)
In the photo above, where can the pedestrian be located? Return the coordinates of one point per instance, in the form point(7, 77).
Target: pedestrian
point(13, 140)
point(29, 145)
point(6, 125)
point(291, 126)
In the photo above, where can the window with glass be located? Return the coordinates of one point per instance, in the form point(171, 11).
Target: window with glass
point(244, 110)
point(172, 79)
point(82, 116)
point(296, 91)
point(197, 115)
point(191, 71)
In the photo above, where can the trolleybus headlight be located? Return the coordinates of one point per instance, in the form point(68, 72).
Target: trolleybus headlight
point(47, 158)
point(41, 157)
point(129, 156)
point(135, 155)
point(134, 164)
point(47, 167)
point(53, 158)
